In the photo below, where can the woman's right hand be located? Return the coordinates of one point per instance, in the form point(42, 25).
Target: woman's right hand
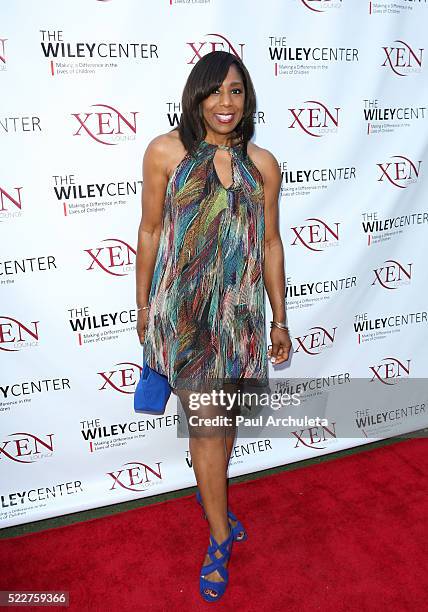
point(142, 324)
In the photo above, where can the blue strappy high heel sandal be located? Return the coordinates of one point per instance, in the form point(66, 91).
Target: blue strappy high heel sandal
point(225, 548)
point(236, 530)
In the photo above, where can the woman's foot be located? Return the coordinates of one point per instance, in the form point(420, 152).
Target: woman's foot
point(215, 575)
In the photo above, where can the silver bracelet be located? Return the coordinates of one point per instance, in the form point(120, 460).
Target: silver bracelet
point(142, 308)
point(278, 324)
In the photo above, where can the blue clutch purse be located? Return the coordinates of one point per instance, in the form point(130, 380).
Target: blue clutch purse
point(152, 392)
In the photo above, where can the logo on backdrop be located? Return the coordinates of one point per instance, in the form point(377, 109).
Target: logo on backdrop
point(22, 502)
point(15, 335)
point(290, 60)
point(303, 182)
point(370, 329)
point(402, 59)
point(241, 450)
point(96, 328)
point(187, 3)
point(381, 230)
point(26, 447)
point(3, 54)
point(305, 295)
point(321, 6)
point(387, 119)
point(10, 202)
point(316, 235)
point(392, 274)
point(316, 340)
point(116, 257)
point(13, 269)
point(387, 7)
point(389, 370)
point(24, 392)
point(315, 118)
point(308, 388)
point(83, 198)
point(123, 377)
point(107, 126)
point(213, 42)
point(102, 437)
point(384, 416)
point(136, 476)
point(20, 124)
point(78, 58)
point(316, 438)
point(401, 173)
point(390, 419)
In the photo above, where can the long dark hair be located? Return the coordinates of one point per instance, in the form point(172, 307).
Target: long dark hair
point(206, 76)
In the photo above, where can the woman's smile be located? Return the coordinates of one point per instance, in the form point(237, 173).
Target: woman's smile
point(224, 117)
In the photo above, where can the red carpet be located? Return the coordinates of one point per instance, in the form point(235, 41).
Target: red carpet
point(347, 534)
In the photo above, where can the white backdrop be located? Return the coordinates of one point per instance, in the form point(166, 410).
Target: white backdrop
point(341, 87)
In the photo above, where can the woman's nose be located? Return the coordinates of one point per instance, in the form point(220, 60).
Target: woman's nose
point(225, 99)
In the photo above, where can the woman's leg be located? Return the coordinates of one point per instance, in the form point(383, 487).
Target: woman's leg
point(209, 448)
point(210, 464)
point(209, 460)
point(229, 441)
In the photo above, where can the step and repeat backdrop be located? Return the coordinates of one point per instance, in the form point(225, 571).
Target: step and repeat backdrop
point(342, 90)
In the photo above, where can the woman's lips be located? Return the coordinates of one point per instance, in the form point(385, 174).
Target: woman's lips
point(224, 118)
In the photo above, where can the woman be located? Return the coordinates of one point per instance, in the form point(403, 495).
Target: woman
point(208, 245)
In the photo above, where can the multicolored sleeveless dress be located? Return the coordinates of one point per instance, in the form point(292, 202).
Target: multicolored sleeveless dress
point(206, 317)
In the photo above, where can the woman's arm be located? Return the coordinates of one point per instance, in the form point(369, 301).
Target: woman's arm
point(274, 273)
point(155, 180)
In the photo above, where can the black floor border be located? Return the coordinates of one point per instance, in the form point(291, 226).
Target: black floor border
point(103, 511)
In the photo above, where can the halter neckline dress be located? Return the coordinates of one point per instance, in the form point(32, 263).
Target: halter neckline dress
point(206, 316)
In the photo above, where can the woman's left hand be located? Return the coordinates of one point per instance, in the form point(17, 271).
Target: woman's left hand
point(281, 345)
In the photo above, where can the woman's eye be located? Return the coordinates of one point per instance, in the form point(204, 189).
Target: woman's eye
point(235, 90)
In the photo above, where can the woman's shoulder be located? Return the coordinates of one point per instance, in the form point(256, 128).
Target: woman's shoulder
point(265, 161)
point(263, 156)
point(164, 143)
point(166, 149)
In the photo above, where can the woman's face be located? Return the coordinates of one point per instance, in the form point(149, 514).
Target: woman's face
point(224, 107)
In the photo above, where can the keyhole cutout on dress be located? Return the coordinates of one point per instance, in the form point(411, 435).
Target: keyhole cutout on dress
point(223, 168)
